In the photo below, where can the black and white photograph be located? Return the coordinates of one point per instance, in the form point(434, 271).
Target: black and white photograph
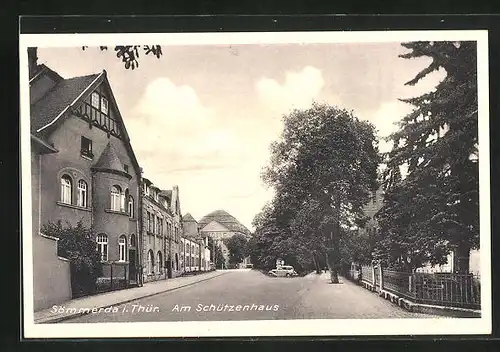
point(255, 184)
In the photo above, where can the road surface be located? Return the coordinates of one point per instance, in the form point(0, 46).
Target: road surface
point(251, 295)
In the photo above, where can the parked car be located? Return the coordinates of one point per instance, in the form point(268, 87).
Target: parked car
point(283, 271)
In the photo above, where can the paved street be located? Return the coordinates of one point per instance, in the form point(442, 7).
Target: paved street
point(248, 294)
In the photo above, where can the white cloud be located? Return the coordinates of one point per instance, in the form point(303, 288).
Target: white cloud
point(179, 140)
point(297, 91)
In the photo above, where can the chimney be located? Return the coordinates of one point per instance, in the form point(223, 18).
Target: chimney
point(32, 61)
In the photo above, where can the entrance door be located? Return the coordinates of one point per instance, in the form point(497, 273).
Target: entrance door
point(132, 265)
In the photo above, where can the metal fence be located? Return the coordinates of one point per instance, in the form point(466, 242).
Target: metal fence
point(367, 274)
point(442, 289)
point(456, 290)
point(398, 282)
point(116, 280)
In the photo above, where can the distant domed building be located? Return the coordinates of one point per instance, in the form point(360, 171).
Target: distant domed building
point(220, 225)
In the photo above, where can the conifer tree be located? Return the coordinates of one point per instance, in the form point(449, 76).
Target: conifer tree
point(434, 208)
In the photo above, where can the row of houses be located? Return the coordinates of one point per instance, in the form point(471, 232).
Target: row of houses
point(83, 169)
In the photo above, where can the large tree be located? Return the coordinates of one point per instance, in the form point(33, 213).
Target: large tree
point(237, 246)
point(325, 166)
point(434, 207)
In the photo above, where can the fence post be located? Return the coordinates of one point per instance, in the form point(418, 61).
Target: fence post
point(373, 277)
point(380, 270)
point(411, 284)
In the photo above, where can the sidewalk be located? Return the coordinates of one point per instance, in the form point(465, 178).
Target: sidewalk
point(81, 306)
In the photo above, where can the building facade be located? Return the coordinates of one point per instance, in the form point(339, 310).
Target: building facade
point(220, 226)
point(83, 170)
point(195, 253)
point(161, 232)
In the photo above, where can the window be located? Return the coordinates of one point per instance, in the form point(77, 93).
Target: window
point(104, 105)
point(122, 248)
point(82, 194)
point(161, 226)
point(192, 249)
point(95, 100)
point(116, 198)
point(159, 261)
point(149, 222)
point(125, 167)
point(123, 198)
point(132, 240)
point(102, 246)
point(153, 229)
point(86, 147)
point(66, 189)
point(130, 206)
point(150, 262)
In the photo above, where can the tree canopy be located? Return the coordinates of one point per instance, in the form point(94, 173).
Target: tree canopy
point(434, 208)
point(237, 246)
point(323, 169)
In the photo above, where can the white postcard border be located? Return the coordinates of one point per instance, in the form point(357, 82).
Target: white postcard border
point(305, 327)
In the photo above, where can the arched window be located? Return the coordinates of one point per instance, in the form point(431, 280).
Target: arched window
point(122, 248)
point(82, 194)
point(116, 195)
point(102, 246)
point(66, 189)
point(130, 206)
point(150, 262)
point(159, 261)
point(124, 200)
point(132, 240)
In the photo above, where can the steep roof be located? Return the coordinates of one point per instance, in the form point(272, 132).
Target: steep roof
point(188, 218)
point(52, 104)
point(109, 161)
point(224, 218)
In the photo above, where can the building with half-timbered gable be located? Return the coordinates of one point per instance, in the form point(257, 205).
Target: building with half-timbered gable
point(83, 169)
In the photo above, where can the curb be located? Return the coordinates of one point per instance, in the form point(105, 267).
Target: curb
point(79, 314)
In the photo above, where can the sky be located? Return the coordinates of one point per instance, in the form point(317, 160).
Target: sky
point(203, 116)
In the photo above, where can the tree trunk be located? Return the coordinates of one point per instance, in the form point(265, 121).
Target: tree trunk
point(332, 253)
point(316, 262)
point(461, 259)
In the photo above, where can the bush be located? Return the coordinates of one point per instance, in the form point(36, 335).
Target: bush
point(77, 244)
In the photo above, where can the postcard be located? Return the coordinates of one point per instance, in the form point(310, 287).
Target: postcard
point(255, 184)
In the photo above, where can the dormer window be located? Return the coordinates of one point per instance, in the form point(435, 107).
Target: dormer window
point(95, 100)
point(104, 105)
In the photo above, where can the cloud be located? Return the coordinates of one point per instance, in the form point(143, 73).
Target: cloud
point(297, 91)
point(179, 140)
point(171, 122)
